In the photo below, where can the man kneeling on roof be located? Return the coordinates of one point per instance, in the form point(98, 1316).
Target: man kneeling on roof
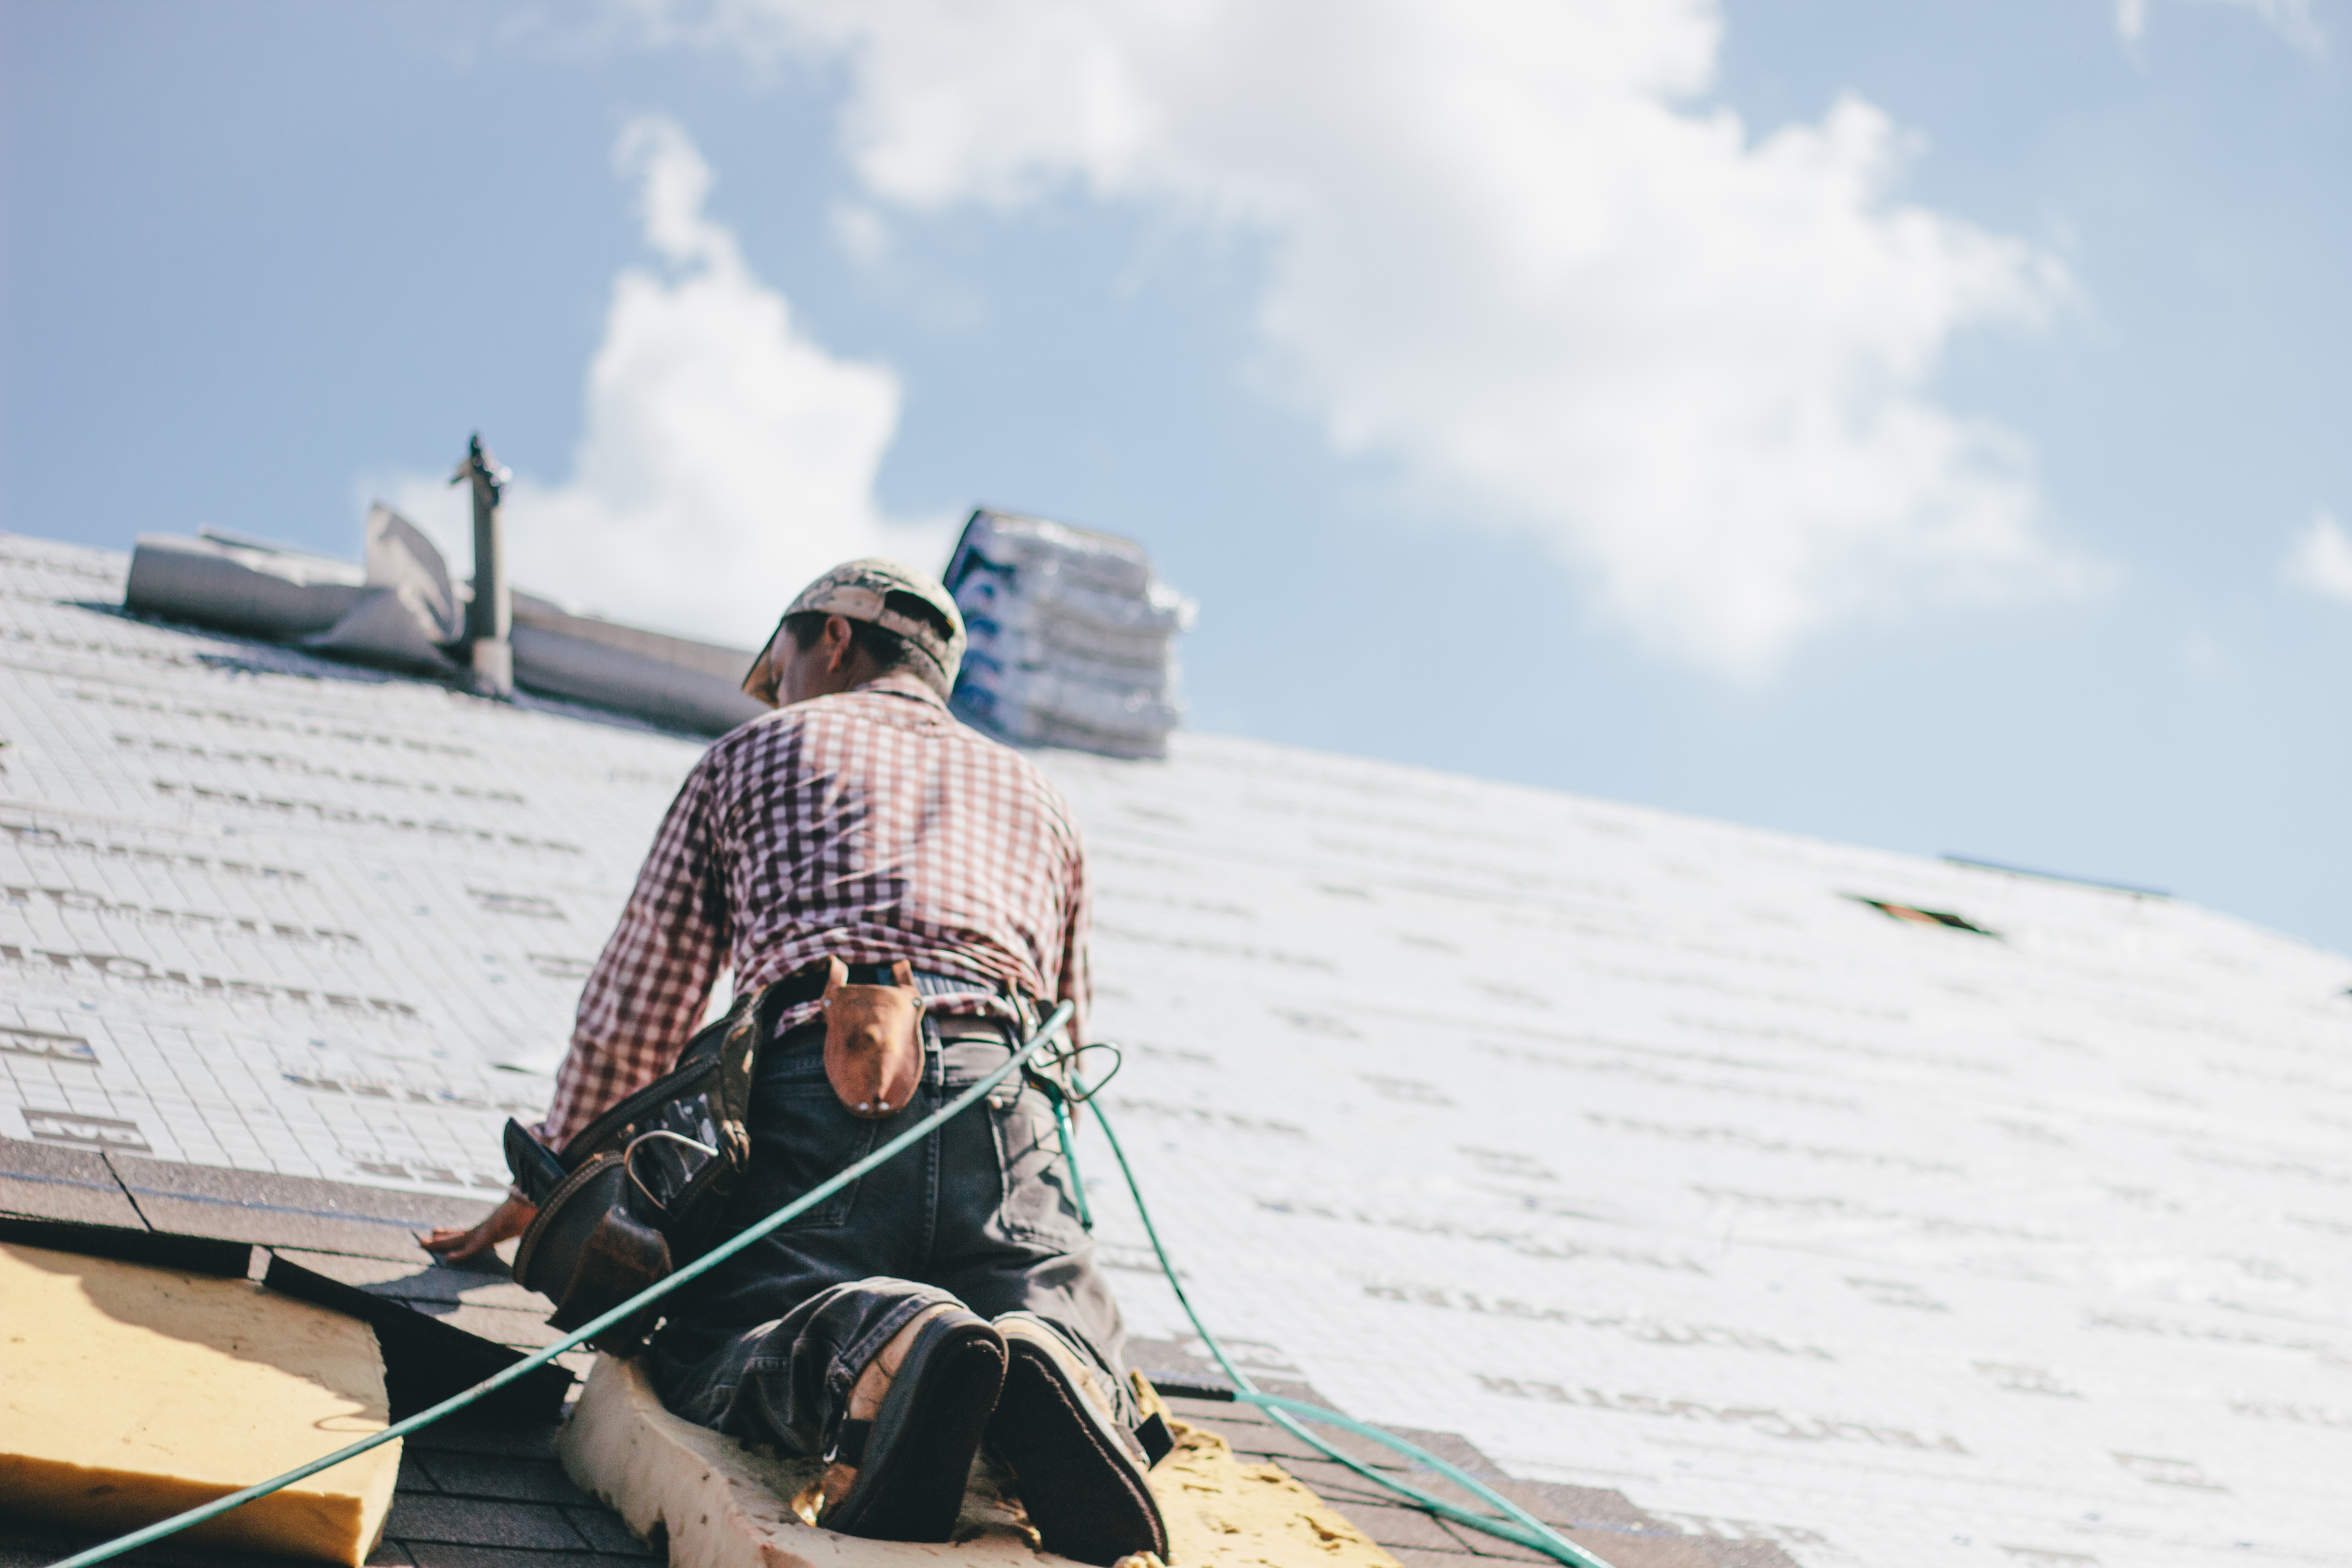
point(948, 1297)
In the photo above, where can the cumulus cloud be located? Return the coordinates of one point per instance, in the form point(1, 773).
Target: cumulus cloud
point(726, 457)
point(2321, 559)
point(1511, 249)
point(2290, 19)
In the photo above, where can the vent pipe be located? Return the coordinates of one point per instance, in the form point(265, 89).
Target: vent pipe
point(490, 620)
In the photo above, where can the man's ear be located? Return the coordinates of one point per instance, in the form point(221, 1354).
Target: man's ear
point(840, 644)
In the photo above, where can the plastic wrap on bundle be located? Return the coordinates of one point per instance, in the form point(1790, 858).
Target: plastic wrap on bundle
point(1076, 556)
point(1072, 640)
point(1139, 642)
point(1130, 710)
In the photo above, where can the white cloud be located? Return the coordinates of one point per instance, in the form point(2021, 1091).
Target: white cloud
point(2321, 560)
point(2290, 19)
point(726, 457)
point(1509, 246)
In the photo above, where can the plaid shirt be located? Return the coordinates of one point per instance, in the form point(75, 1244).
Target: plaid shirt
point(868, 825)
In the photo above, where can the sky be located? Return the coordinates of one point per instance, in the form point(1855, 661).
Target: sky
point(1912, 424)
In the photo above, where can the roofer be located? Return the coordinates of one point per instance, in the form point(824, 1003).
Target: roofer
point(950, 1295)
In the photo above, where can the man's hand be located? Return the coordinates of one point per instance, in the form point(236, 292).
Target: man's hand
point(510, 1218)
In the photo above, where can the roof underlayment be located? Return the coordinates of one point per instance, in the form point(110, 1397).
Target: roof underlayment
point(1636, 1149)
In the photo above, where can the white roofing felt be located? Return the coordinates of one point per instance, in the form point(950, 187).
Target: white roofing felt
point(1625, 1144)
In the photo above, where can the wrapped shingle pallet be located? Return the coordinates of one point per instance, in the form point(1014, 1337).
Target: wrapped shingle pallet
point(1073, 638)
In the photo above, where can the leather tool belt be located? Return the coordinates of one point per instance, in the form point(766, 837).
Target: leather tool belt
point(644, 1187)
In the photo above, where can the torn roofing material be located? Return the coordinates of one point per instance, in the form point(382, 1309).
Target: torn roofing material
point(401, 611)
point(1626, 1145)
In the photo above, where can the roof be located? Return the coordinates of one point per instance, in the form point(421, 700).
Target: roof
point(1639, 1152)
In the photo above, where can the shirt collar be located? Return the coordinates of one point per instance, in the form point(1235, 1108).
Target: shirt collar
point(902, 683)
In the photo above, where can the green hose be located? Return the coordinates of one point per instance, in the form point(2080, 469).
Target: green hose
point(1070, 1158)
point(1054, 1025)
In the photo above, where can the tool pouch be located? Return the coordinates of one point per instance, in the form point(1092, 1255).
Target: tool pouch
point(873, 1036)
point(644, 1187)
point(588, 1252)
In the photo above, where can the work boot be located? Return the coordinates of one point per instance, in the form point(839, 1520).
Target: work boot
point(897, 1468)
point(1080, 1473)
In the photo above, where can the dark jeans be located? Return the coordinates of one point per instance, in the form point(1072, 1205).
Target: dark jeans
point(768, 1345)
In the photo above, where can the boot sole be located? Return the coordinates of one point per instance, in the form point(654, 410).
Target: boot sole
point(910, 1485)
point(1082, 1490)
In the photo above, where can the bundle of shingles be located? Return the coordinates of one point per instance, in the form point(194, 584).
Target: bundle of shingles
point(1073, 636)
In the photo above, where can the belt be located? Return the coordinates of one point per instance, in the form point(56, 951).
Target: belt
point(806, 983)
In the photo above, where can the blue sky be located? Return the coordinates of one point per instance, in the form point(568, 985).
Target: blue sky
point(1912, 424)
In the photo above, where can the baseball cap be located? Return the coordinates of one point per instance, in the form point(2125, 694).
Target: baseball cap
point(861, 590)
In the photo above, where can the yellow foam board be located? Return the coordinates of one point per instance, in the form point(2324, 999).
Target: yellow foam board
point(1222, 1513)
point(129, 1393)
point(722, 1503)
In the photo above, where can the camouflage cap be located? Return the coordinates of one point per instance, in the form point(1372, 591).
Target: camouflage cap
point(860, 591)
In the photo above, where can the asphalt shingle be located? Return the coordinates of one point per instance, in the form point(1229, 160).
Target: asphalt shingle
point(421, 1517)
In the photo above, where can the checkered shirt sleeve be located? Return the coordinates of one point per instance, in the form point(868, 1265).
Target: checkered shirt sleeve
point(869, 825)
